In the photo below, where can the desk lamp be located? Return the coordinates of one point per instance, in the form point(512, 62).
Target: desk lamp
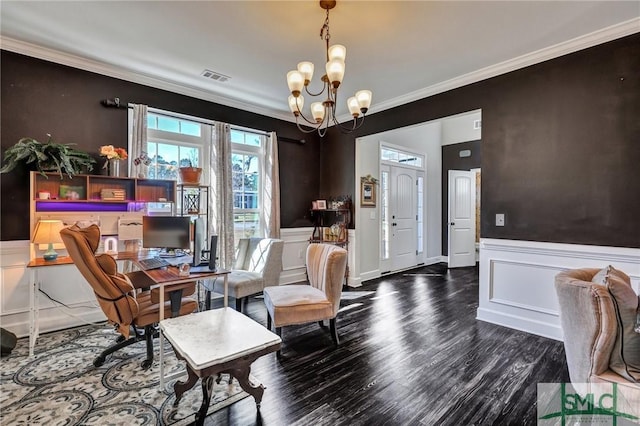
point(48, 232)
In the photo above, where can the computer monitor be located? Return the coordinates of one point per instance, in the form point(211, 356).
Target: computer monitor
point(166, 232)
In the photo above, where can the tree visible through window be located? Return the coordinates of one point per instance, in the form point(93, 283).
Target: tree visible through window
point(246, 159)
point(174, 142)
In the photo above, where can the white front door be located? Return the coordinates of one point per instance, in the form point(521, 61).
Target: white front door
point(462, 218)
point(402, 193)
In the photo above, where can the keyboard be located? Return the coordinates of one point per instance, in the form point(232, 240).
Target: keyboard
point(152, 263)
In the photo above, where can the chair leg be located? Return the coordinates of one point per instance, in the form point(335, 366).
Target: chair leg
point(268, 321)
point(321, 324)
point(239, 304)
point(176, 302)
point(207, 300)
point(334, 331)
point(279, 333)
point(148, 333)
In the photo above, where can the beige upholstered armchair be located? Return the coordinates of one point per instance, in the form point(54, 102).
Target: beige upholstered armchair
point(597, 314)
point(318, 301)
point(258, 264)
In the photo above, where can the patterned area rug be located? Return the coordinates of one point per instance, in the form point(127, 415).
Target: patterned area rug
point(60, 385)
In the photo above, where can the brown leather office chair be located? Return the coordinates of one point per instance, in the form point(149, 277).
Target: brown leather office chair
point(116, 293)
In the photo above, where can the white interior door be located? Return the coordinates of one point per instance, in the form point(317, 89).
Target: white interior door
point(462, 218)
point(403, 209)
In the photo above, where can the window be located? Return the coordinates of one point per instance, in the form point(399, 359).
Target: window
point(172, 124)
point(420, 215)
point(384, 215)
point(397, 156)
point(247, 166)
point(173, 143)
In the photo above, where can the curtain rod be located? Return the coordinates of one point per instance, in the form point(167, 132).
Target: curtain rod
point(293, 140)
point(115, 103)
point(112, 103)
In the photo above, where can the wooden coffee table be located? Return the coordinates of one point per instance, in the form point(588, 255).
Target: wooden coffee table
point(218, 341)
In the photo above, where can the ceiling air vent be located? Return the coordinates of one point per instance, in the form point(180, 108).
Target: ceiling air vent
point(216, 76)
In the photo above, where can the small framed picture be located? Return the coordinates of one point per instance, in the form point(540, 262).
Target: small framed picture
point(367, 194)
point(314, 205)
point(322, 204)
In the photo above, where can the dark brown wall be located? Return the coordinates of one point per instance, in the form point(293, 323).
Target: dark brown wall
point(451, 160)
point(560, 146)
point(40, 97)
point(561, 140)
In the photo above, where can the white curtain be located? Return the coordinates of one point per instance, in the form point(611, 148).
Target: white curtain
point(221, 199)
point(271, 188)
point(138, 143)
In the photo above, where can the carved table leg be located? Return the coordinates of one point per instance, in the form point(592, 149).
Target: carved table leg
point(242, 374)
point(181, 387)
point(207, 386)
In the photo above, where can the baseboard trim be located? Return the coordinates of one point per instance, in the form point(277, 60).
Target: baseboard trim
point(526, 325)
point(51, 319)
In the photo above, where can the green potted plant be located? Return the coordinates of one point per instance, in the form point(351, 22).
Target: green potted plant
point(48, 156)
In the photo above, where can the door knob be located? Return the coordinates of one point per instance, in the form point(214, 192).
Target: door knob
point(453, 223)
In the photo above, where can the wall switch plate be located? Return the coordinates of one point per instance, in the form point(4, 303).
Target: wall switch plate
point(500, 219)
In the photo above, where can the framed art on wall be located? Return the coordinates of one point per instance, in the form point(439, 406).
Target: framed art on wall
point(322, 204)
point(367, 193)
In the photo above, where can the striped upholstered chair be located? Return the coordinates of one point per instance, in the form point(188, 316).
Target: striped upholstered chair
point(317, 301)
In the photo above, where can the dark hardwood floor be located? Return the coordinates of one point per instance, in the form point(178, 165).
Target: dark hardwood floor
point(411, 353)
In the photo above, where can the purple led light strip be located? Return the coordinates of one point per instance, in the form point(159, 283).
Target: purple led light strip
point(70, 206)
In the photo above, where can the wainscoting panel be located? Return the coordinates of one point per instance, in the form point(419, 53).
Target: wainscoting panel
point(517, 280)
point(296, 241)
point(512, 282)
point(63, 283)
point(14, 298)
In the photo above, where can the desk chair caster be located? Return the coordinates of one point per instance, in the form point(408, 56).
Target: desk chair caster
point(99, 361)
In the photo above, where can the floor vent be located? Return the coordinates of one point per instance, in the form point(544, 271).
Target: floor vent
point(216, 76)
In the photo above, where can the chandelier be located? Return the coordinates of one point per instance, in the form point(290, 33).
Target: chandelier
point(324, 113)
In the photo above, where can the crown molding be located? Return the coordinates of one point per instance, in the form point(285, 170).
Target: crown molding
point(582, 42)
point(51, 55)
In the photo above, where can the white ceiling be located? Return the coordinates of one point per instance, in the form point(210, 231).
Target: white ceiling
point(401, 50)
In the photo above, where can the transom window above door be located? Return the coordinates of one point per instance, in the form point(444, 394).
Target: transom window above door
point(397, 156)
